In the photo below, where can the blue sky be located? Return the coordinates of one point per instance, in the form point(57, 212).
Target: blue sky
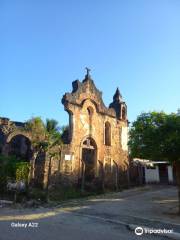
point(45, 45)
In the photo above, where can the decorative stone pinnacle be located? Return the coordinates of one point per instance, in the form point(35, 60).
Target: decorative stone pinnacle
point(117, 96)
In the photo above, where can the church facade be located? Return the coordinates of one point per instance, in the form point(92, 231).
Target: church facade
point(94, 152)
point(97, 140)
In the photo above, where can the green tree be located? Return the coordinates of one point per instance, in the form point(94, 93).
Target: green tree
point(156, 135)
point(171, 145)
point(145, 135)
point(52, 126)
point(37, 132)
point(53, 142)
point(45, 137)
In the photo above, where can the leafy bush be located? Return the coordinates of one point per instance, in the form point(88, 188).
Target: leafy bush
point(22, 171)
point(37, 194)
point(12, 168)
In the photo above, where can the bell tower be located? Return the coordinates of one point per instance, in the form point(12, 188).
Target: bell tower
point(119, 106)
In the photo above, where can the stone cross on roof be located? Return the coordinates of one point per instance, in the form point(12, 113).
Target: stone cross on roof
point(87, 76)
point(88, 70)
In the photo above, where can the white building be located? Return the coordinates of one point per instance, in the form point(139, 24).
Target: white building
point(155, 171)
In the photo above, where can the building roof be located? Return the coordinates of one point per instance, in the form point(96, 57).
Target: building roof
point(146, 162)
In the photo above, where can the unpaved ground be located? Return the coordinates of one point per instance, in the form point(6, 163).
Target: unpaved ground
point(103, 217)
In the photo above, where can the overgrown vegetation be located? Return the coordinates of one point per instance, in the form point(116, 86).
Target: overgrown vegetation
point(22, 171)
point(45, 137)
point(12, 169)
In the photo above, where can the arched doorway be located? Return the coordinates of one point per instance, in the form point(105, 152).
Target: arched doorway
point(89, 155)
point(20, 146)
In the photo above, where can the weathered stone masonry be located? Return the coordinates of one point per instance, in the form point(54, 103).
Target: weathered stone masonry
point(97, 135)
point(95, 145)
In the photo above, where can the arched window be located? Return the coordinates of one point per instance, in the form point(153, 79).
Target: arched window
point(107, 134)
point(90, 114)
point(123, 113)
point(90, 111)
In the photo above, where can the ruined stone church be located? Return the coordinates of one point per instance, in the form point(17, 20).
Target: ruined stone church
point(95, 145)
